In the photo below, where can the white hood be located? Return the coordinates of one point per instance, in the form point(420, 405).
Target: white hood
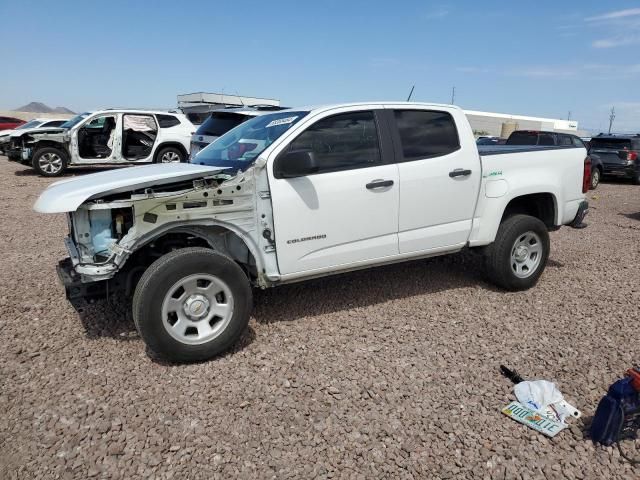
point(68, 195)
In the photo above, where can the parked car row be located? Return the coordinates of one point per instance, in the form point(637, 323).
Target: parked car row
point(116, 137)
point(613, 155)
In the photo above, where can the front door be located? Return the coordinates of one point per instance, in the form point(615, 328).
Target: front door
point(346, 213)
point(96, 141)
point(439, 170)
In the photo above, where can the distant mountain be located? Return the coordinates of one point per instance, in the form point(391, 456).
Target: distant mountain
point(35, 107)
point(63, 110)
point(39, 107)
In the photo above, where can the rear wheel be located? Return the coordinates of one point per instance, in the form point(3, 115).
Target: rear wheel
point(170, 155)
point(595, 178)
point(49, 162)
point(636, 178)
point(192, 304)
point(518, 256)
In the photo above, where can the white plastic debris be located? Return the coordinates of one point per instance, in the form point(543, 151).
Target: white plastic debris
point(544, 398)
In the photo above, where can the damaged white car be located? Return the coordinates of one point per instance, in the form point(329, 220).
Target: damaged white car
point(107, 137)
point(300, 194)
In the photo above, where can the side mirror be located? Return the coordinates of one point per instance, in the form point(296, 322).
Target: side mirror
point(296, 163)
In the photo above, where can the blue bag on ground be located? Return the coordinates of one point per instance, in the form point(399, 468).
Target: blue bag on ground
point(618, 414)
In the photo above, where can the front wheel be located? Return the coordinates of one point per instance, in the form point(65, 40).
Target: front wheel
point(49, 162)
point(170, 155)
point(192, 304)
point(517, 257)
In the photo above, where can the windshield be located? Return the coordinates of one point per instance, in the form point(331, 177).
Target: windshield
point(238, 148)
point(220, 123)
point(75, 120)
point(31, 124)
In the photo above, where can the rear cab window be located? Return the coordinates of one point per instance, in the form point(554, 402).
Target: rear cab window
point(220, 123)
point(523, 138)
point(426, 134)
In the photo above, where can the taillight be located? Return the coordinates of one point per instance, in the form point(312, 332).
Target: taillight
point(586, 175)
point(632, 155)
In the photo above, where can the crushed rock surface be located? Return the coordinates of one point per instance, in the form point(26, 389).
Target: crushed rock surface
point(385, 373)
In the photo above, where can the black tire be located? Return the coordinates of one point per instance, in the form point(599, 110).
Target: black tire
point(155, 285)
point(51, 151)
point(170, 151)
point(636, 179)
point(498, 260)
point(596, 175)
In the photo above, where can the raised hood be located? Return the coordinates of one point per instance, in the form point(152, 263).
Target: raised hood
point(68, 195)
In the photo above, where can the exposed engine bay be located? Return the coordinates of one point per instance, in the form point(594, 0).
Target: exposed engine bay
point(138, 226)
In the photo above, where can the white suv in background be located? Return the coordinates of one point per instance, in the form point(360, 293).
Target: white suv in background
point(107, 137)
point(30, 126)
point(223, 120)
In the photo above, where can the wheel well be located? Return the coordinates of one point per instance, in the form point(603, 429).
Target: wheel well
point(216, 238)
point(539, 205)
point(177, 145)
point(50, 144)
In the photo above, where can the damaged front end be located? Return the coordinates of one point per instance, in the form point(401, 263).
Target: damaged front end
point(116, 234)
point(21, 148)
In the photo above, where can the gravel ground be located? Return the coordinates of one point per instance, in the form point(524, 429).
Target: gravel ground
point(388, 373)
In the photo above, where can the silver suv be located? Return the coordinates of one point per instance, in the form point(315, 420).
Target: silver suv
point(223, 120)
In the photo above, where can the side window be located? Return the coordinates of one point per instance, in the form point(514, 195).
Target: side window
point(342, 142)
point(578, 142)
point(167, 121)
point(426, 134)
point(565, 140)
point(546, 140)
point(96, 123)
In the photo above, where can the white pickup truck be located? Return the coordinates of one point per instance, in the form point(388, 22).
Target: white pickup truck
point(303, 193)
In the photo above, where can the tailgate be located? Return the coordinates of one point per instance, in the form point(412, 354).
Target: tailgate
point(610, 157)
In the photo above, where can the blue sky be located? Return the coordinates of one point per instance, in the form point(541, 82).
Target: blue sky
point(542, 58)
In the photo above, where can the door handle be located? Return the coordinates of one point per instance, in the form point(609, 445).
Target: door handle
point(379, 184)
point(459, 172)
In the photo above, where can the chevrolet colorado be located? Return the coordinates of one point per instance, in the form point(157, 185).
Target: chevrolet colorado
point(303, 193)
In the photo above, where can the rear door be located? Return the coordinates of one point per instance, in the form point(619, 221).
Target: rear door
point(439, 169)
point(347, 212)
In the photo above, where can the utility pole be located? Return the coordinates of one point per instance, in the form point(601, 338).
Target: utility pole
point(612, 117)
point(569, 115)
point(453, 95)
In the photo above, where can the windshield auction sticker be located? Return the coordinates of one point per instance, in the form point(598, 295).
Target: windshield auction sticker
point(280, 121)
point(533, 419)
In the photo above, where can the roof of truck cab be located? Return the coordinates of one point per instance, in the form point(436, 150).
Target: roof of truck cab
point(331, 106)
